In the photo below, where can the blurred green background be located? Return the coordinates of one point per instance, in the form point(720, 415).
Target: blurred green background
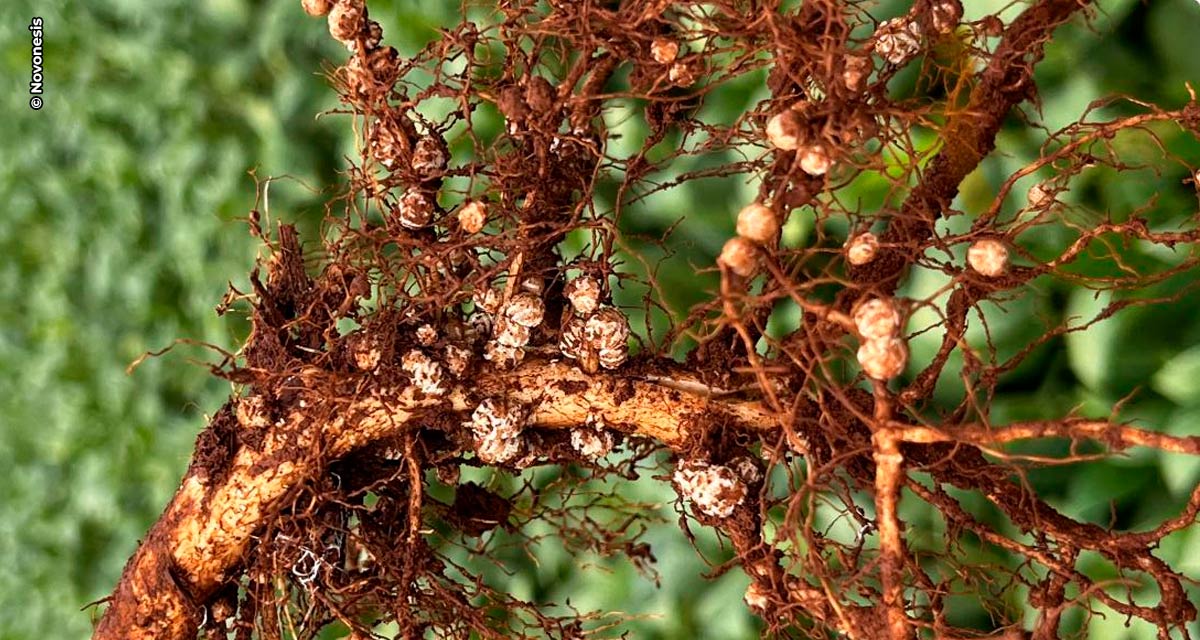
point(119, 232)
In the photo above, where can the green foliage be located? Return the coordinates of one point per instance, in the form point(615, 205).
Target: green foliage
point(119, 234)
point(120, 230)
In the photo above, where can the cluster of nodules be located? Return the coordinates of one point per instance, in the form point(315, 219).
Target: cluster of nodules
point(801, 129)
point(497, 427)
point(431, 365)
point(798, 127)
point(788, 130)
point(373, 69)
point(882, 353)
point(510, 323)
point(349, 23)
point(426, 162)
point(716, 490)
point(899, 40)
point(416, 158)
point(439, 359)
point(665, 51)
point(498, 430)
point(592, 334)
point(420, 161)
point(757, 229)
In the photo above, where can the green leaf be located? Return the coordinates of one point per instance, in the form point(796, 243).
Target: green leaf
point(1179, 378)
point(1180, 472)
